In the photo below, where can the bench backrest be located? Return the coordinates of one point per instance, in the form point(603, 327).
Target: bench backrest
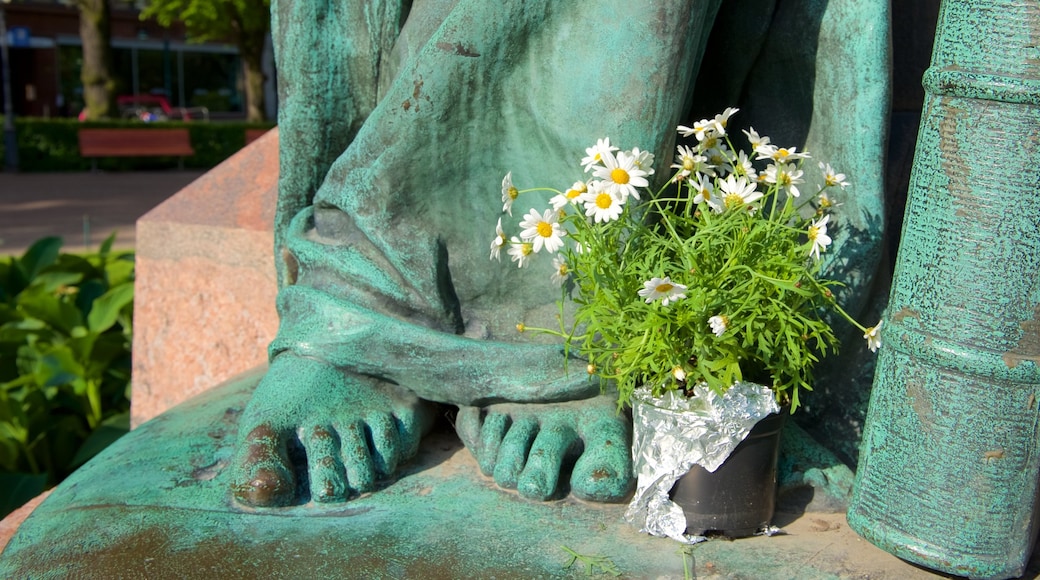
point(126, 142)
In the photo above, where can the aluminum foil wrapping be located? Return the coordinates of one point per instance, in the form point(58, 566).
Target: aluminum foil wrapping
point(673, 433)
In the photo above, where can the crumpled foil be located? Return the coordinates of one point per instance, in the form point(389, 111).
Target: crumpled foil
point(672, 433)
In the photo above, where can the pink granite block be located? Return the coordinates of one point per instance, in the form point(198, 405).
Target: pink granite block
point(9, 525)
point(204, 308)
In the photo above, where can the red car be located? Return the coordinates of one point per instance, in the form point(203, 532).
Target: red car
point(149, 108)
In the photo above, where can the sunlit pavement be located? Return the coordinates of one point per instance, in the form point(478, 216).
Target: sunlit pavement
point(83, 208)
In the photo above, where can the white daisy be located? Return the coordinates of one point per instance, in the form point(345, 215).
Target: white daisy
point(559, 202)
point(662, 288)
point(818, 236)
point(498, 242)
point(718, 324)
point(755, 139)
point(831, 178)
point(620, 175)
point(688, 161)
point(560, 271)
point(520, 251)
point(643, 160)
point(738, 192)
point(743, 166)
point(509, 193)
point(594, 155)
point(722, 119)
point(679, 373)
point(826, 202)
point(702, 129)
point(706, 193)
point(786, 175)
point(718, 154)
point(780, 154)
point(542, 230)
point(873, 337)
point(601, 205)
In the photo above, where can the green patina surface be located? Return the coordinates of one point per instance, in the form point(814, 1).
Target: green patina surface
point(398, 121)
point(158, 504)
point(948, 470)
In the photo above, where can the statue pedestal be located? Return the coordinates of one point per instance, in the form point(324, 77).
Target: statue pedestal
point(204, 308)
point(158, 504)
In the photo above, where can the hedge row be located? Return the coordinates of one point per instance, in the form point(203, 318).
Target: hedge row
point(53, 145)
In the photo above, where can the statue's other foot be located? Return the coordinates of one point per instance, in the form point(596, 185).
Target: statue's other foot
point(528, 446)
point(314, 432)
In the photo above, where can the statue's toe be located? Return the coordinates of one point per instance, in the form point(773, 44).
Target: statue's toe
point(483, 434)
point(357, 459)
point(512, 454)
point(327, 476)
point(604, 470)
point(541, 474)
point(385, 437)
point(264, 475)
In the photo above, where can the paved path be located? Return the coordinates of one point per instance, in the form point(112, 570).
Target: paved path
point(76, 206)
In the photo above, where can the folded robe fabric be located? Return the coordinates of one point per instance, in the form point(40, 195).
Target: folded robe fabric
point(397, 126)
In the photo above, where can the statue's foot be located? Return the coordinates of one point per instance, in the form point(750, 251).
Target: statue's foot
point(314, 432)
point(528, 446)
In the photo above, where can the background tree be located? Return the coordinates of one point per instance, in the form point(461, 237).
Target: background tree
point(242, 22)
point(96, 73)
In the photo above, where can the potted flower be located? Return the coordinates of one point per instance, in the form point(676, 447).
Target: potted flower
point(701, 303)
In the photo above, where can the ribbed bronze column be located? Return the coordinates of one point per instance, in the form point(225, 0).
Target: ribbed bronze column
point(948, 473)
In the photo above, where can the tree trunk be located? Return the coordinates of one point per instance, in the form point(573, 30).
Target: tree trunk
point(252, 53)
point(96, 73)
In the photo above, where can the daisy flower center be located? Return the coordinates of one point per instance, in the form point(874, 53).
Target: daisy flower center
point(782, 153)
point(572, 193)
point(687, 164)
point(706, 194)
point(513, 192)
point(563, 270)
point(619, 176)
point(666, 287)
point(814, 232)
point(545, 229)
point(604, 201)
point(784, 179)
point(734, 201)
point(526, 249)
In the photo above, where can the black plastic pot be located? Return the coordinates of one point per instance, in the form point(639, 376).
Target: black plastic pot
point(738, 499)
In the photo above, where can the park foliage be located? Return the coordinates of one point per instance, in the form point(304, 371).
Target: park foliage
point(65, 338)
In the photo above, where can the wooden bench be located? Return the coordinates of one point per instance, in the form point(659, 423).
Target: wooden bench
point(133, 142)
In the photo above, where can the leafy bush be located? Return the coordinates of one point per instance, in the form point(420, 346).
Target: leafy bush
point(53, 144)
point(65, 335)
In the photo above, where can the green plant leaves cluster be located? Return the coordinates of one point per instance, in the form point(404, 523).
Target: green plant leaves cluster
point(751, 266)
point(65, 336)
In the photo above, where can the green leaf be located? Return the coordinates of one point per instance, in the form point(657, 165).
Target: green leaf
point(58, 367)
point(51, 281)
point(120, 270)
point(106, 434)
point(106, 246)
point(106, 308)
point(18, 489)
point(53, 310)
point(40, 255)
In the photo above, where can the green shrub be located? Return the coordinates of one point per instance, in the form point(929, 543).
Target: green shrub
point(53, 144)
point(65, 335)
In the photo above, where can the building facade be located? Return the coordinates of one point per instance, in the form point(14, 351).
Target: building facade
point(46, 54)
